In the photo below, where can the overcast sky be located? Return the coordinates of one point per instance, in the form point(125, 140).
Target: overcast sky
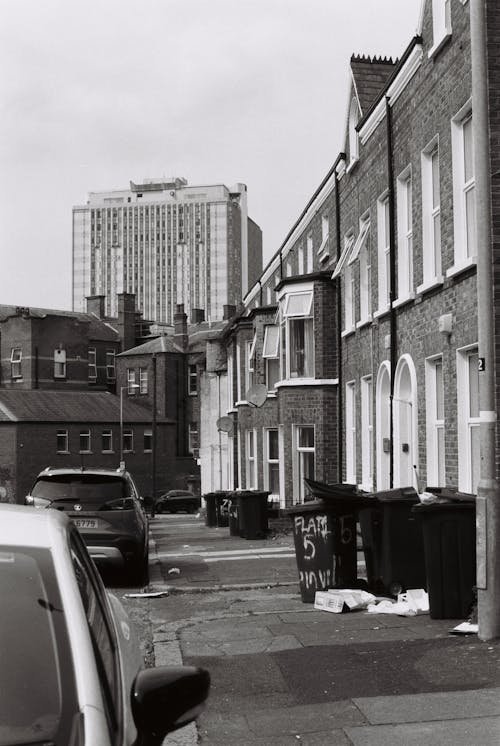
point(94, 94)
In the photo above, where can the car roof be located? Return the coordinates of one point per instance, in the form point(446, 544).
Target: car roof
point(51, 472)
point(24, 526)
point(178, 493)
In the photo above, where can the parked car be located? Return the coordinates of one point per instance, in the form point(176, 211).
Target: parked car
point(71, 668)
point(175, 500)
point(106, 508)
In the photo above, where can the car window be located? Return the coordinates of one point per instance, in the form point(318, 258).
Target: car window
point(101, 631)
point(87, 489)
point(38, 696)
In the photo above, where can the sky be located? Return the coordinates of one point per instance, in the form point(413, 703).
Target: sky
point(94, 94)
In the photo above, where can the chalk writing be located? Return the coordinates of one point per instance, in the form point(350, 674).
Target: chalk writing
point(313, 531)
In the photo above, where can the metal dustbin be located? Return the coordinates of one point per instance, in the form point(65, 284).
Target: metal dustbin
point(449, 532)
point(217, 514)
point(234, 526)
point(324, 533)
point(252, 514)
point(393, 541)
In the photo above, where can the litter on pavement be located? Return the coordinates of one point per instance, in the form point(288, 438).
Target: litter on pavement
point(340, 600)
point(153, 594)
point(174, 571)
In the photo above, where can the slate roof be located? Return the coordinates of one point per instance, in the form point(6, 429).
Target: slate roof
point(33, 405)
point(197, 334)
point(371, 75)
point(98, 328)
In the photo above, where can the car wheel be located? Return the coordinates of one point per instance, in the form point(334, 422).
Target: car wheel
point(139, 571)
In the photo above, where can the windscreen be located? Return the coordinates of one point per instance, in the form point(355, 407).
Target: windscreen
point(82, 488)
point(35, 663)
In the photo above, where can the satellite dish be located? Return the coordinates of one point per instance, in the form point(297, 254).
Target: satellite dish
point(225, 424)
point(256, 395)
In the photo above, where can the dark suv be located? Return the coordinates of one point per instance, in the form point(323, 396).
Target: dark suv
point(107, 510)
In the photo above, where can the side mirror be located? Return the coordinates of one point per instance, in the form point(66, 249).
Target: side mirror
point(166, 698)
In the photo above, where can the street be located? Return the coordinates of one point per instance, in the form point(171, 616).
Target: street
point(284, 673)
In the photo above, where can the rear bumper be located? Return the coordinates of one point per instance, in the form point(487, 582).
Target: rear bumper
point(115, 550)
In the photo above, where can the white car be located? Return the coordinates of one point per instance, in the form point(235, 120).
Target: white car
point(71, 673)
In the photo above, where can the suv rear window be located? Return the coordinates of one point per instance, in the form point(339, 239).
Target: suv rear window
point(90, 488)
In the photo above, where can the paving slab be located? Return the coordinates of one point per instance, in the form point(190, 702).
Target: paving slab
point(431, 706)
point(305, 719)
point(475, 732)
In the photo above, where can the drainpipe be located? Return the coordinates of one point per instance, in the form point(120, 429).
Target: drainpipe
point(153, 434)
point(37, 383)
point(392, 281)
point(488, 497)
point(340, 393)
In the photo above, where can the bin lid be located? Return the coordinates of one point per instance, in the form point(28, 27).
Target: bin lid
point(448, 500)
point(327, 490)
point(450, 493)
point(250, 493)
point(399, 494)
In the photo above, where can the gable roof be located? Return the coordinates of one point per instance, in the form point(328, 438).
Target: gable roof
point(33, 405)
point(370, 75)
point(98, 328)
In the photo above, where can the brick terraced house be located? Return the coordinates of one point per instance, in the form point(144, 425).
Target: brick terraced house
point(362, 329)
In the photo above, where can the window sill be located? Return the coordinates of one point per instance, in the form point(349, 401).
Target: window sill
point(351, 165)
point(381, 312)
point(404, 300)
point(87, 452)
point(347, 332)
point(271, 395)
point(457, 269)
point(364, 322)
point(431, 284)
point(241, 403)
point(307, 382)
point(438, 46)
point(324, 257)
point(64, 453)
point(107, 452)
point(193, 393)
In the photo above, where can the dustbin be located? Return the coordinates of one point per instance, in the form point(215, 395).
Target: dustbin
point(252, 514)
point(449, 532)
point(324, 533)
point(217, 509)
point(393, 541)
point(234, 527)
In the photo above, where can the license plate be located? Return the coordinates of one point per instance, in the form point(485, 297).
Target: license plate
point(85, 522)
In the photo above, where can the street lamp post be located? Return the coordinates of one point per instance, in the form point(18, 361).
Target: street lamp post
point(122, 389)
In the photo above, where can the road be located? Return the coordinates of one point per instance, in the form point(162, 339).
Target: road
point(283, 673)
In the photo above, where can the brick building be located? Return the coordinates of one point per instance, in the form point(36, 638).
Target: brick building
point(363, 327)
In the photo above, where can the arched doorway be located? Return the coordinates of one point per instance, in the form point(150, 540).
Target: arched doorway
point(405, 424)
point(383, 425)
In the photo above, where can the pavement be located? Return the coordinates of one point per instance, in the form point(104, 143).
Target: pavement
point(284, 673)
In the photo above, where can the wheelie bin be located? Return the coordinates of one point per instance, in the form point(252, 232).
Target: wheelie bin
point(449, 533)
point(252, 514)
point(324, 532)
point(217, 514)
point(392, 541)
point(234, 527)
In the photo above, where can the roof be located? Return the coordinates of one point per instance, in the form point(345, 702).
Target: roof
point(165, 343)
point(34, 405)
point(98, 328)
point(24, 526)
point(198, 334)
point(370, 76)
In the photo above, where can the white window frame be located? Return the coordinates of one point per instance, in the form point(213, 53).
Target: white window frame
point(238, 372)
point(192, 379)
point(301, 260)
point(16, 359)
point(148, 433)
point(85, 434)
point(350, 432)
point(64, 435)
point(463, 188)
point(192, 435)
point(110, 365)
point(270, 354)
point(107, 434)
point(59, 363)
point(435, 424)
point(309, 253)
point(362, 250)
point(383, 253)
point(367, 453)
point(299, 453)
point(289, 316)
point(325, 234)
point(143, 380)
point(131, 384)
point(128, 440)
point(250, 362)
point(405, 235)
point(431, 217)
point(441, 24)
point(251, 459)
point(466, 422)
point(92, 364)
point(230, 382)
point(271, 462)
